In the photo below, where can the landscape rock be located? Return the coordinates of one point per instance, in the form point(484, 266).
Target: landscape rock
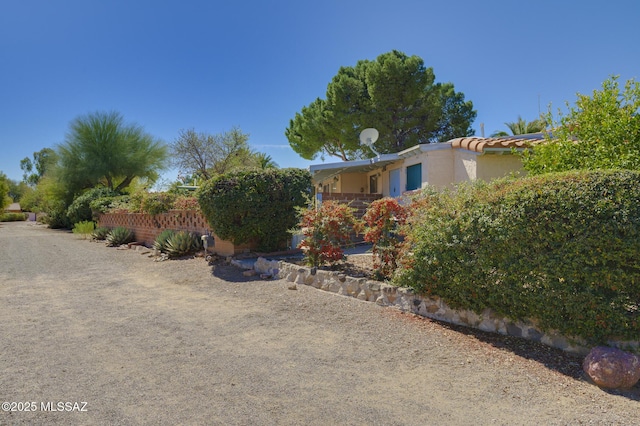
point(612, 368)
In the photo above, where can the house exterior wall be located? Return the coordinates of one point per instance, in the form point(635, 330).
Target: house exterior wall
point(492, 166)
point(464, 166)
point(13, 208)
point(439, 169)
point(353, 183)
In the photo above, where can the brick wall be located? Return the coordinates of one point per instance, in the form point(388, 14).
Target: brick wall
point(359, 201)
point(147, 227)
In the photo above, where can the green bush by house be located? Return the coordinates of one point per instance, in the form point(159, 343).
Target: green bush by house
point(257, 205)
point(12, 217)
point(562, 250)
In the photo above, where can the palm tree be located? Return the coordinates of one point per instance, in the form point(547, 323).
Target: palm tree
point(265, 161)
point(522, 127)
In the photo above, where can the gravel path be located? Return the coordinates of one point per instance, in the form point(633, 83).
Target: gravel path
point(180, 342)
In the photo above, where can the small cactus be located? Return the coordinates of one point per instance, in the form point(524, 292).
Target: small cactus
point(182, 243)
point(118, 236)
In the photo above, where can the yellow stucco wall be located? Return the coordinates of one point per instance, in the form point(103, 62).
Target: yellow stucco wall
point(439, 168)
point(465, 166)
point(353, 182)
point(492, 166)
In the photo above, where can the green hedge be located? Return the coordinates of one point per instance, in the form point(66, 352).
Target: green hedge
point(562, 250)
point(13, 217)
point(257, 205)
point(80, 209)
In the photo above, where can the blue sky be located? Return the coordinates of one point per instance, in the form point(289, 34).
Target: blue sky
point(211, 65)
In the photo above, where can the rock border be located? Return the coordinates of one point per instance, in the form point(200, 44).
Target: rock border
point(406, 300)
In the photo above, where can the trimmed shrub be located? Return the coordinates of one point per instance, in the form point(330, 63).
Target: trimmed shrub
point(84, 228)
point(100, 233)
point(160, 242)
point(327, 230)
point(561, 250)
point(182, 243)
point(13, 217)
point(118, 236)
point(257, 205)
point(80, 208)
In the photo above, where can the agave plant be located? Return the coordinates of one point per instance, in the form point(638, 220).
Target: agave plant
point(119, 236)
point(100, 233)
point(182, 243)
point(160, 243)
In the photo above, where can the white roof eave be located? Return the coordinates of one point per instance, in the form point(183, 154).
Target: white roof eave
point(321, 172)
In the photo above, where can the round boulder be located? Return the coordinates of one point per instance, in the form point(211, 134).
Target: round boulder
point(612, 368)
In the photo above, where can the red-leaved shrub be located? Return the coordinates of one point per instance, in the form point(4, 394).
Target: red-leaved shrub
point(327, 229)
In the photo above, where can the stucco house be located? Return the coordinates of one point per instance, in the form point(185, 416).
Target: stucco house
point(13, 208)
point(441, 165)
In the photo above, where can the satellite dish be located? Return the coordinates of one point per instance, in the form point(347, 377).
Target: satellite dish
point(368, 137)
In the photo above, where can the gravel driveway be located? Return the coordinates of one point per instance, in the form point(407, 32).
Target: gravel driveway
point(180, 342)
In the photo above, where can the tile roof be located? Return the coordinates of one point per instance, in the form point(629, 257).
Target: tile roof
point(480, 144)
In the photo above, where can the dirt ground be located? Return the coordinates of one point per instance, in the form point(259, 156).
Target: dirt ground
point(182, 342)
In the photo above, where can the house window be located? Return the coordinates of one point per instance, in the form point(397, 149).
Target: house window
point(414, 177)
point(373, 184)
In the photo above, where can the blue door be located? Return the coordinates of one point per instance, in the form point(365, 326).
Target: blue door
point(394, 183)
point(414, 177)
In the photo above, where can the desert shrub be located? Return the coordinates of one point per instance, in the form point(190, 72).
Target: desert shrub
point(84, 228)
point(80, 208)
point(12, 217)
point(56, 216)
point(383, 220)
point(155, 203)
point(100, 233)
point(182, 243)
point(186, 203)
point(160, 242)
point(110, 204)
point(327, 230)
point(256, 205)
point(118, 236)
point(562, 250)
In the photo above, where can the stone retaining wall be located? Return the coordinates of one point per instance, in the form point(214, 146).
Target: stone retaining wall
point(407, 300)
